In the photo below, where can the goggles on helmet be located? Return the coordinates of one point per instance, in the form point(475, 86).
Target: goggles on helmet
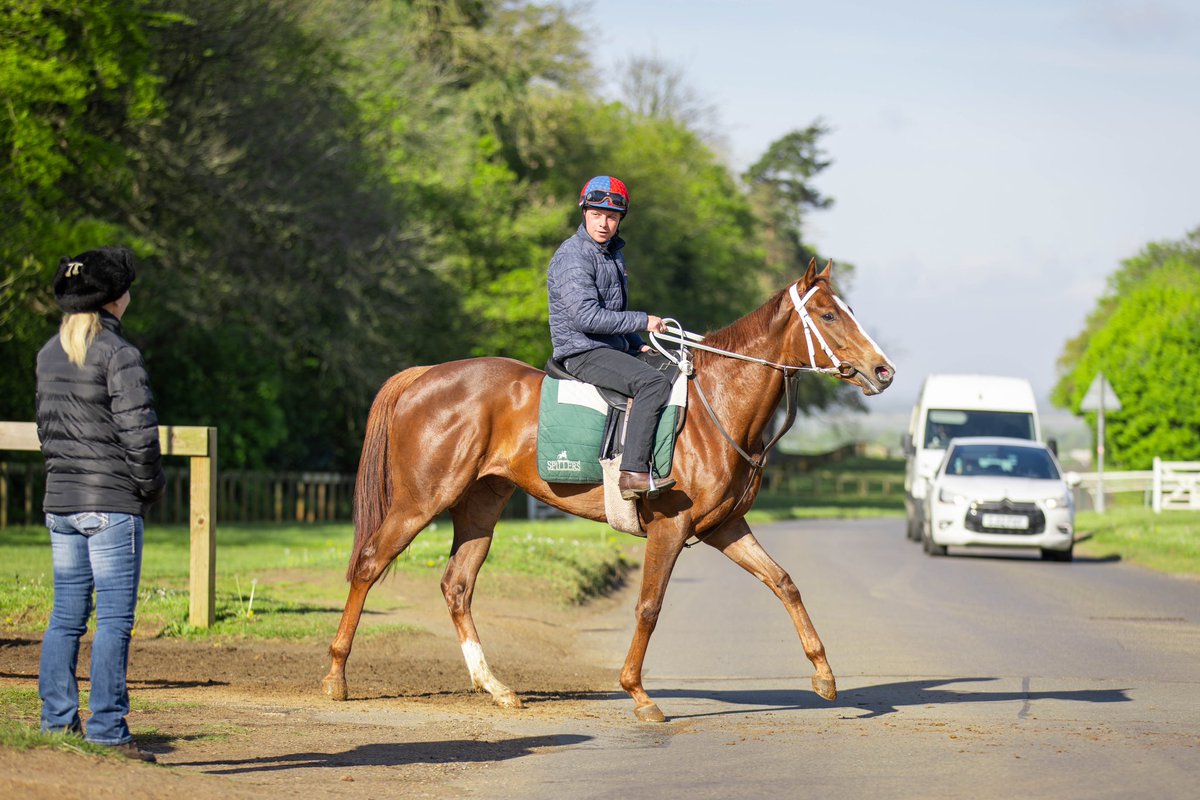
point(597, 197)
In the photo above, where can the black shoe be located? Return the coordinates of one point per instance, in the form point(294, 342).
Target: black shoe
point(131, 750)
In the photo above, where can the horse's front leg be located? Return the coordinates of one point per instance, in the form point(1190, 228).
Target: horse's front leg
point(662, 550)
point(737, 542)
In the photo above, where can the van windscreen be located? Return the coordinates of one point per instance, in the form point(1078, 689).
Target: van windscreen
point(943, 424)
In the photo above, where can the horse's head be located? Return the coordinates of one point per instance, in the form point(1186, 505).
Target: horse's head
point(830, 336)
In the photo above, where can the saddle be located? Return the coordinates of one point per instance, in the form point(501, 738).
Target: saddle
point(573, 436)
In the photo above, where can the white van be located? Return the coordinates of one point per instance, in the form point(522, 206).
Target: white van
point(961, 405)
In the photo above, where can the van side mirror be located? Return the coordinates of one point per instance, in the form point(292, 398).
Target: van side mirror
point(906, 442)
point(1053, 445)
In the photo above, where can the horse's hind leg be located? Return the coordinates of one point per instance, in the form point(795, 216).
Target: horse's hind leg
point(737, 542)
point(475, 517)
point(396, 533)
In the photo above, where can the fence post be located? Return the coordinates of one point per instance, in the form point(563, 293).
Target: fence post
point(203, 580)
point(1156, 497)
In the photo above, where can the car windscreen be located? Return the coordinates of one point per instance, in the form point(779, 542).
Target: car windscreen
point(944, 424)
point(1001, 459)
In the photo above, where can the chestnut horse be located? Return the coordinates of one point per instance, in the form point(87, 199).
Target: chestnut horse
point(459, 436)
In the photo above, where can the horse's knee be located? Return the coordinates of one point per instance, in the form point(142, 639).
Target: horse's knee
point(647, 611)
point(785, 587)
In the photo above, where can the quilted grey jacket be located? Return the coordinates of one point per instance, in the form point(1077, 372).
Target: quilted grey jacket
point(588, 298)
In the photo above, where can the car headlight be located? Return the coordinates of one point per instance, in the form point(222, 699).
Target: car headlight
point(1059, 500)
point(948, 497)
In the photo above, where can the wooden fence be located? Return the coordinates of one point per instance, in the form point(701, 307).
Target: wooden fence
point(835, 485)
point(199, 445)
point(256, 496)
point(243, 496)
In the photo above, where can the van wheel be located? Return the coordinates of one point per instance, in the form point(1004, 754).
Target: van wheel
point(913, 534)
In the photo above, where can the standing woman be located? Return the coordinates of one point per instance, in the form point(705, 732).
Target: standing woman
point(99, 435)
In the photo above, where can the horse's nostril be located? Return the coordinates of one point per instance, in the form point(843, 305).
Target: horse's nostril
point(884, 374)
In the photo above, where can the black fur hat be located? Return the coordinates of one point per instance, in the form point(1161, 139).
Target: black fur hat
point(92, 279)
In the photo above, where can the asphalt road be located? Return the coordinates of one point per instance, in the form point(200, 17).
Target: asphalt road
point(969, 676)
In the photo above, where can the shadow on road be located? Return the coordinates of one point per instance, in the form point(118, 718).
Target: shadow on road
point(453, 751)
point(885, 698)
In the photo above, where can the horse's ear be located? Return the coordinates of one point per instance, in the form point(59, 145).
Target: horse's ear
point(828, 269)
point(810, 274)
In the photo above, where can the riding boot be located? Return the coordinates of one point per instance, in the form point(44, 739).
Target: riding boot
point(637, 484)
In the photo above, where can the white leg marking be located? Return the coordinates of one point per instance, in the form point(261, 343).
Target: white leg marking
point(482, 679)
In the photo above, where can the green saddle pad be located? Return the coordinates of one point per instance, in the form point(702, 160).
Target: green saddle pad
point(571, 426)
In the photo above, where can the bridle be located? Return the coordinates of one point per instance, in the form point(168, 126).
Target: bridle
point(687, 339)
point(791, 372)
point(791, 376)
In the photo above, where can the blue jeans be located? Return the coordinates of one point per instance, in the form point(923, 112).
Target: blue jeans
point(99, 551)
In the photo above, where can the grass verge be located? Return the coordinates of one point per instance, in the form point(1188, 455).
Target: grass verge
point(20, 722)
point(1167, 542)
point(287, 581)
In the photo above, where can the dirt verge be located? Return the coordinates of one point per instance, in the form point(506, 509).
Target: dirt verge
point(245, 718)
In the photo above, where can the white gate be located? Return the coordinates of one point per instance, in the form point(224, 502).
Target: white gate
point(1175, 485)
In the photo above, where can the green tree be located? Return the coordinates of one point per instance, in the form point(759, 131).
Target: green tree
point(278, 242)
point(781, 189)
point(1143, 336)
point(782, 194)
point(73, 74)
point(322, 193)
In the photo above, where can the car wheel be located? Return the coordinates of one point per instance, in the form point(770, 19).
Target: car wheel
point(912, 533)
point(1059, 555)
point(931, 547)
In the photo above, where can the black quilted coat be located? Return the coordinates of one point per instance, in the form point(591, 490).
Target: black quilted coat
point(98, 428)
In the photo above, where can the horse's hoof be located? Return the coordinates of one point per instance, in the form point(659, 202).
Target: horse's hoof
point(335, 688)
point(825, 687)
point(650, 713)
point(507, 700)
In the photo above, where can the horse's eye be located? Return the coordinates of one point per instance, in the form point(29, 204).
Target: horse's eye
point(828, 316)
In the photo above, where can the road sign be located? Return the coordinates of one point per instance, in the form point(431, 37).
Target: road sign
point(1092, 400)
point(1102, 399)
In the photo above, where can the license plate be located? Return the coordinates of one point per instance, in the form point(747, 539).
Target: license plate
point(1012, 522)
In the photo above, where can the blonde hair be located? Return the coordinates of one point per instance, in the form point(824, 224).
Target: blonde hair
point(77, 333)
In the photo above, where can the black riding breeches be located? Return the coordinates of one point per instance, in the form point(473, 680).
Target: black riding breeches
point(627, 374)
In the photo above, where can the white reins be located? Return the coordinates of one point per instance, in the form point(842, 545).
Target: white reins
point(686, 339)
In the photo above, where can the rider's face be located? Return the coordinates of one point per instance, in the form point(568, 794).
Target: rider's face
point(601, 223)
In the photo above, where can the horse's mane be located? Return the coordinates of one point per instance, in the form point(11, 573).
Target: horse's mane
point(737, 334)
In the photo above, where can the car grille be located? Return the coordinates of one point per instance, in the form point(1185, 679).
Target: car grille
point(1037, 520)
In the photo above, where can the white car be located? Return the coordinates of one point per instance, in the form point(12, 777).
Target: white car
point(1000, 492)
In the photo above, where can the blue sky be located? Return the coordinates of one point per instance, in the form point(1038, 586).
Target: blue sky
point(993, 161)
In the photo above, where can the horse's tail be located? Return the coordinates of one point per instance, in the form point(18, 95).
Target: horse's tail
point(373, 486)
